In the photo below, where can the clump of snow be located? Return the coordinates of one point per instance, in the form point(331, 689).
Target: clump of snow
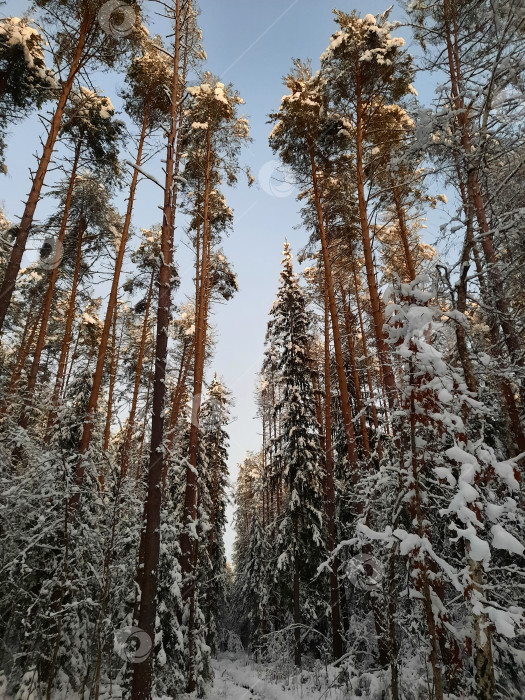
point(88, 102)
point(220, 94)
point(501, 539)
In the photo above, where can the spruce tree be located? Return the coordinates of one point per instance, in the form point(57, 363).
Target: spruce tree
point(300, 539)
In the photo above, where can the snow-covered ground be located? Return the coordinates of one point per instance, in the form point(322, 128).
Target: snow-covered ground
point(238, 677)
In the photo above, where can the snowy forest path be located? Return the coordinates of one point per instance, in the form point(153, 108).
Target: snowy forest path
point(236, 679)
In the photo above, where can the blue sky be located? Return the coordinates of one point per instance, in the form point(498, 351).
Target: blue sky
point(250, 44)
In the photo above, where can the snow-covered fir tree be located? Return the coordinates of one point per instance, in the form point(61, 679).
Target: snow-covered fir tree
point(299, 544)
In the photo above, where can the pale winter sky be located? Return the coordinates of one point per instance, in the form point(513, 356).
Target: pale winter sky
point(250, 44)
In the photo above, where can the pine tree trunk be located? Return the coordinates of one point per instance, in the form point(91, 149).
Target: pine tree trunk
point(143, 672)
point(138, 376)
point(341, 376)
point(187, 545)
point(375, 301)
point(13, 266)
point(33, 372)
point(70, 317)
point(403, 232)
point(314, 375)
point(112, 303)
point(461, 336)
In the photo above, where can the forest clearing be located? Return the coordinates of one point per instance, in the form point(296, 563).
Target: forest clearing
point(262, 355)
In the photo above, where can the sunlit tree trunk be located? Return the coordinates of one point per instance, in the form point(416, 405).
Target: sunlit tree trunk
point(375, 301)
point(403, 232)
point(341, 376)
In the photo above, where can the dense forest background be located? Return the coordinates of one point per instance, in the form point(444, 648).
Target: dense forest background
point(379, 523)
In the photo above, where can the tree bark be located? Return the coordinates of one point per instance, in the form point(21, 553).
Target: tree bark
point(403, 232)
point(375, 301)
point(187, 545)
point(178, 396)
point(143, 672)
point(483, 660)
